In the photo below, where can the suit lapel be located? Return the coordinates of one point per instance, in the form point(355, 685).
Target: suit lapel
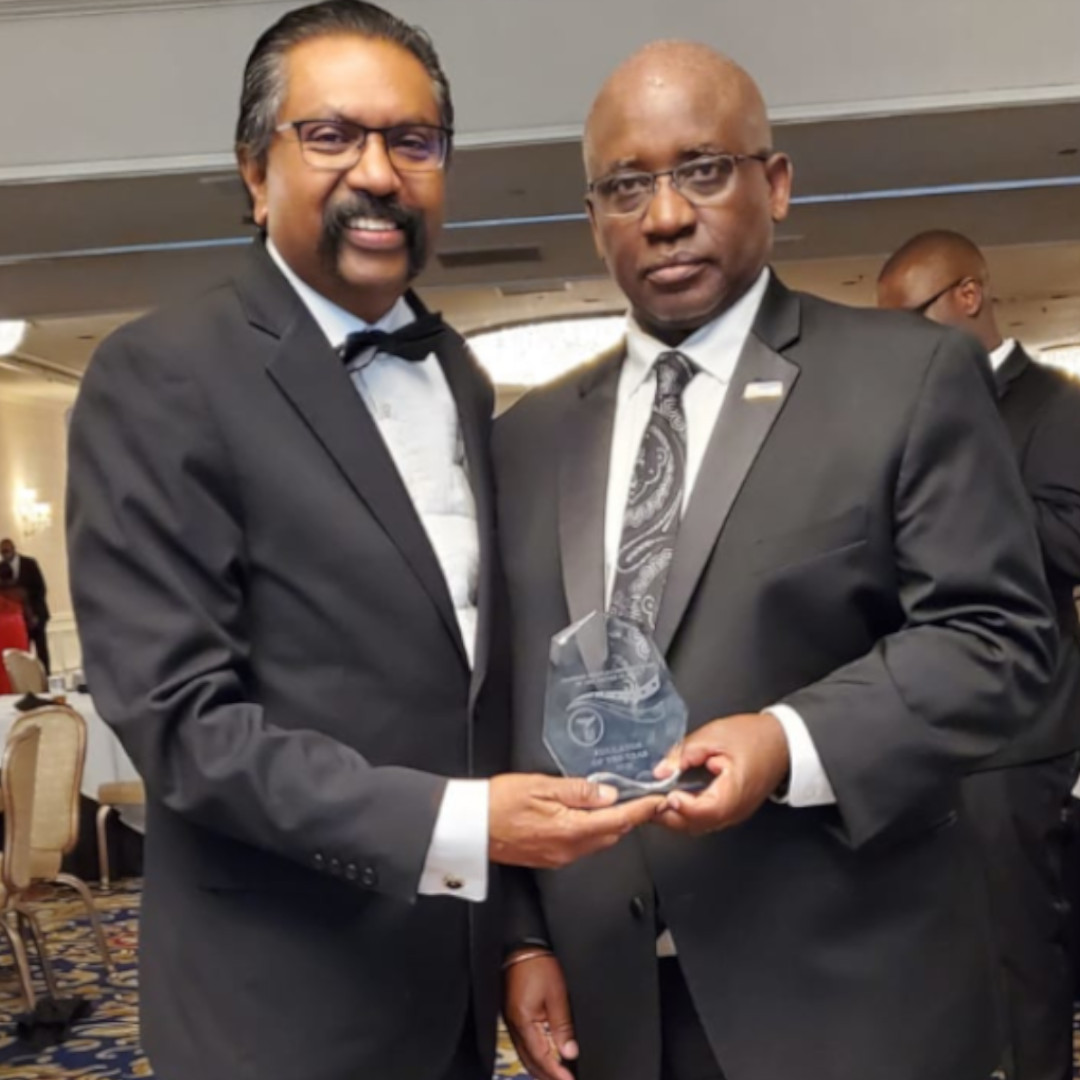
point(583, 476)
point(760, 388)
point(1014, 366)
point(473, 415)
point(309, 374)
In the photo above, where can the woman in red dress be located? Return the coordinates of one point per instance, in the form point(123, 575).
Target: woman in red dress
point(13, 633)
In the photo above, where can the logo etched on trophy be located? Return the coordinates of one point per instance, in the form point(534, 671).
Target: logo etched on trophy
point(611, 712)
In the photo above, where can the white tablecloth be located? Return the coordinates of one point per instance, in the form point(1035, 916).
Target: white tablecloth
point(106, 760)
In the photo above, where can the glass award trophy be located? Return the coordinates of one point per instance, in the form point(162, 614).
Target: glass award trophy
point(611, 712)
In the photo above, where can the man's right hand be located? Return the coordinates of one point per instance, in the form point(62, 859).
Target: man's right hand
point(545, 822)
point(537, 1014)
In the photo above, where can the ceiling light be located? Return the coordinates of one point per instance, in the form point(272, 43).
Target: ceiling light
point(533, 353)
point(12, 332)
point(1065, 357)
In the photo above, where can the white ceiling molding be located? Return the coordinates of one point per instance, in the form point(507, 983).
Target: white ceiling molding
point(225, 161)
point(816, 112)
point(122, 85)
point(41, 9)
point(118, 169)
point(956, 101)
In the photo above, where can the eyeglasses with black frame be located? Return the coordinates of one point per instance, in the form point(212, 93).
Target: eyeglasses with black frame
point(926, 305)
point(338, 145)
point(702, 181)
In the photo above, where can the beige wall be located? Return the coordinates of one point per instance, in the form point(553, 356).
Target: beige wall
point(33, 452)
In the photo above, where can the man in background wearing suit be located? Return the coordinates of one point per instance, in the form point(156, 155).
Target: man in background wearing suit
point(27, 575)
point(287, 587)
point(1017, 811)
point(814, 509)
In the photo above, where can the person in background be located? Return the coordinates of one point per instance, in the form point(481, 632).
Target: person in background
point(284, 569)
point(28, 577)
point(1019, 800)
point(13, 634)
point(783, 490)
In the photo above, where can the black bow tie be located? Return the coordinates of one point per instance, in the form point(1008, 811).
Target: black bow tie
point(414, 342)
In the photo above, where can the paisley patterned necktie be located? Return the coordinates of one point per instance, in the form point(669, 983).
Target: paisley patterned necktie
point(654, 508)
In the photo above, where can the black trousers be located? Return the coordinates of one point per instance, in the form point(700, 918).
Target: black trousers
point(40, 640)
point(466, 1064)
point(685, 1050)
point(1019, 818)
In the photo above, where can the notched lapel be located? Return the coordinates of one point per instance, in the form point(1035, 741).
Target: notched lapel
point(457, 362)
point(583, 477)
point(759, 390)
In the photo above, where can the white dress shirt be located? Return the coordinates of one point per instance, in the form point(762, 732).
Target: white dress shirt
point(1002, 353)
point(414, 410)
point(714, 350)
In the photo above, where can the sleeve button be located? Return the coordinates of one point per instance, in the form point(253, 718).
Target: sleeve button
point(319, 861)
point(369, 877)
point(453, 882)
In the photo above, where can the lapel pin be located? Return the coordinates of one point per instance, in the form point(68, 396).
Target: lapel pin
point(763, 390)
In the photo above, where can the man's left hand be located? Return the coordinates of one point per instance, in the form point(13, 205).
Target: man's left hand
point(748, 757)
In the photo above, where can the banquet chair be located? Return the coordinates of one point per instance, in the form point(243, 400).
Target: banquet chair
point(114, 796)
point(18, 779)
point(25, 672)
point(55, 829)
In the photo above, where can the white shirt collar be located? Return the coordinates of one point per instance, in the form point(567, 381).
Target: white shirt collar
point(714, 348)
point(335, 322)
point(1001, 353)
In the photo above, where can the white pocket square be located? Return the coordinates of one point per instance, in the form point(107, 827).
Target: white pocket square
point(763, 390)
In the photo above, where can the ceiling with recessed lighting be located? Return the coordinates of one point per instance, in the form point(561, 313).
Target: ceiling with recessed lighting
point(117, 191)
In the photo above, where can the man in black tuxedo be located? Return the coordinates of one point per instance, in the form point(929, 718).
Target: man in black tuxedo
point(26, 575)
point(1018, 810)
point(816, 512)
point(289, 597)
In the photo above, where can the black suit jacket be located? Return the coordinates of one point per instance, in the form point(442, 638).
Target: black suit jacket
point(266, 626)
point(1041, 410)
point(845, 550)
point(31, 580)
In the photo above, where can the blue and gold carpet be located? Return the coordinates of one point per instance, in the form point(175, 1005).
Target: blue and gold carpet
point(105, 1045)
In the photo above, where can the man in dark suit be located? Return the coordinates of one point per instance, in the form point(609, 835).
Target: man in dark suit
point(814, 509)
point(1018, 811)
point(27, 575)
point(288, 592)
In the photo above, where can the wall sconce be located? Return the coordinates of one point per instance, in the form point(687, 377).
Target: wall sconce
point(33, 516)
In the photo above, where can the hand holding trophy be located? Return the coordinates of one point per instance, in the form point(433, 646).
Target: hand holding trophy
point(611, 712)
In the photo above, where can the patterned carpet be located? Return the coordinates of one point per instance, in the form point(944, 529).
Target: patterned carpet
point(105, 1045)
